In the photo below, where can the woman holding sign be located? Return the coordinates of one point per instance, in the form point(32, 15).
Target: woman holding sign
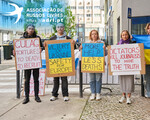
point(30, 33)
point(147, 75)
point(95, 78)
point(126, 81)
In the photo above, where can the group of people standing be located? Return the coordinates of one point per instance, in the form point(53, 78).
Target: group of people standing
point(126, 81)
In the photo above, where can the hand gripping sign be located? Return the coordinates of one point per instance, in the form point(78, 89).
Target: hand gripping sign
point(27, 53)
point(59, 58)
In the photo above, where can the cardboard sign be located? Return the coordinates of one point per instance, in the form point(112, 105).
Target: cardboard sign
point(59, 58)
point(92, 60)
point(126, 59)
point(41, 83)
point(28, 54)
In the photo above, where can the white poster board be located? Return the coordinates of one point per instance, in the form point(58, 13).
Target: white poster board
point(41, 83)
point(27, 53)
point(126, 59)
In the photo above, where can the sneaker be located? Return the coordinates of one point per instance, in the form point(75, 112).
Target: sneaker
point(53, 98)
point(146, 96)
point(66, 98)
point(92, 97)
point(122, 99)
point(128, 100)
point(98, 96)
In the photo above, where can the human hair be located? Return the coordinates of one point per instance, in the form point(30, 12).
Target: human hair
point(126, 32)
point(90, 35)
point(147, 26)
point(26, 33)
point(59, 24)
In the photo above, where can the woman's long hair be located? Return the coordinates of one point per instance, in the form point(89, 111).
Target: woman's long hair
point(146, 28)
point(90, 35)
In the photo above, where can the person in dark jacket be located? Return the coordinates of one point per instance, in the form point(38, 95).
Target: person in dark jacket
point(30, 33)
point(60, 35)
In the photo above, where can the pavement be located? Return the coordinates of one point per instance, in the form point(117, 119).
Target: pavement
point(12, 108)
point(109, 108)
point(77, 108)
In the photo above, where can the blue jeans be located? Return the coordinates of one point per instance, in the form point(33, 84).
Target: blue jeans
point(95, 82)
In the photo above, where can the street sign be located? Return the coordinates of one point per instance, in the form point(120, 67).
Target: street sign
point(129, 13)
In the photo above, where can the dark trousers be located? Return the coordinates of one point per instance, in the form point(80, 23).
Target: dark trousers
point(64, 86)
point(36, 81)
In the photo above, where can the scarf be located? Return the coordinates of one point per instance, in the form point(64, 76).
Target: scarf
point(124, 41)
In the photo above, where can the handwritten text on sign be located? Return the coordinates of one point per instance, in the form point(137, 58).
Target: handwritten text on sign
point(125, 57)
point(60, 60)
point(92, 57)
point(41, 83)
point(27, 53)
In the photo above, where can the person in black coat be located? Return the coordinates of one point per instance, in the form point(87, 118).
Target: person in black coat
point(30, 33)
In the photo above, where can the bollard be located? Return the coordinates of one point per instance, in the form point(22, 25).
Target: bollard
point(18, 83)
point(80, 80)
point(142, 86)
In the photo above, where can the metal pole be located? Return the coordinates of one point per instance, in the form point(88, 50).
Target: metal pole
point(142, 86)
point(18, 83)
point(78, 27)
point(80, 80)
point(128, 24)
point(0, 55)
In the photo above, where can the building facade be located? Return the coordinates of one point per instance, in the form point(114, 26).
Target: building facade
point(131, 15)
point(89, 15)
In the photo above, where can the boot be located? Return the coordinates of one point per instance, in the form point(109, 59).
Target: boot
point(37, 99)
point(26, 100)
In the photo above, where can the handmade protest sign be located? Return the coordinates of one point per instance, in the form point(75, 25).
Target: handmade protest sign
point(27, 53)
point(59, 58)
point(126, 59)
point(41, 83)
point(92, 60)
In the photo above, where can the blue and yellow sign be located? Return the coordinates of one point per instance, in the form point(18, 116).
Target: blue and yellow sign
point(60, 61)
point(92, 57)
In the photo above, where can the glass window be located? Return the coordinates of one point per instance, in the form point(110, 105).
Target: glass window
point(88, 7)
point(97, 15)
point(88, 15)
point(138, 25)
point(96, 7)
point(73, 7)
point(80, 7)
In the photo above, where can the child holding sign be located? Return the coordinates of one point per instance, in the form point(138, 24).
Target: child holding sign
point(126, 81)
